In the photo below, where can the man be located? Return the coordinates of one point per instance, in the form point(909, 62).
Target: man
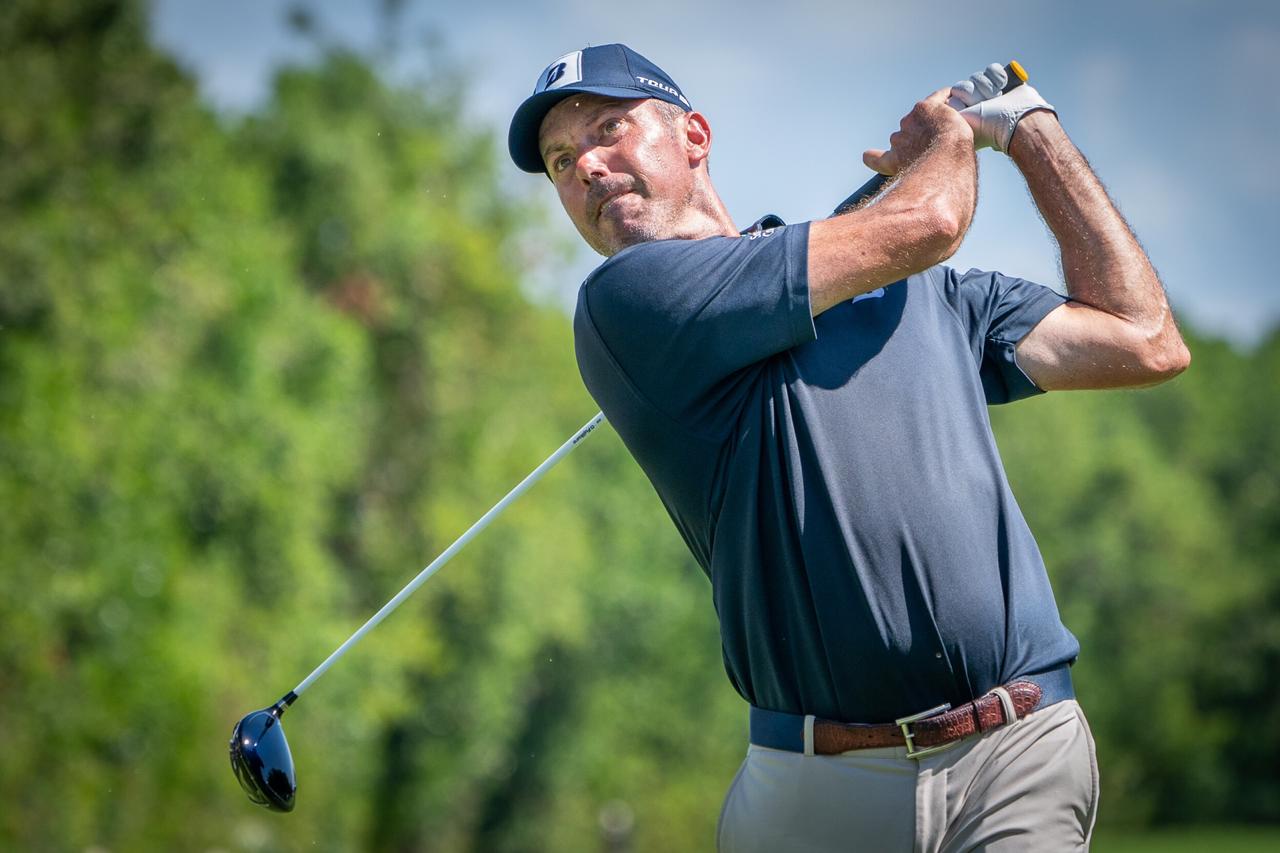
point(809, 401)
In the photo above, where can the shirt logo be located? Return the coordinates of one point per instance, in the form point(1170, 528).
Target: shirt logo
point(564, 71)
point(874, 294)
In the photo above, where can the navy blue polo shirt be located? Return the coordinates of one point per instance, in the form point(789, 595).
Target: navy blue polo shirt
point(836, 477)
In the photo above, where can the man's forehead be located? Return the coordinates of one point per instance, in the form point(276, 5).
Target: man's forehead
point(577, 108)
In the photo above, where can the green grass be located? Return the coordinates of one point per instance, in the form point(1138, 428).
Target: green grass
point(1221, 839)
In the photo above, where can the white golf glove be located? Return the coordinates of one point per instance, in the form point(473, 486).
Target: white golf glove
point(994, 116)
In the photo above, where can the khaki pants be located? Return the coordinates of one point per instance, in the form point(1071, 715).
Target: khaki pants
point(1029, 786)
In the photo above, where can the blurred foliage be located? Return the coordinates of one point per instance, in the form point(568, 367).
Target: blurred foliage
point(254, 375)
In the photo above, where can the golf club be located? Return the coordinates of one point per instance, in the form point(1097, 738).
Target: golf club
point(260, 754)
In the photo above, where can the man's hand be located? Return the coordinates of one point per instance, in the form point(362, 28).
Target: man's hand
point(981, 86)
point(929, 122)
point(993, 116)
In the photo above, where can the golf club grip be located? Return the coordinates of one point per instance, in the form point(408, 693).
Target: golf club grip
point(1016, 77)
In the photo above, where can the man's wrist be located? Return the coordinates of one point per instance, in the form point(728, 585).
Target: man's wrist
point(1033, 134)
point(951, 144)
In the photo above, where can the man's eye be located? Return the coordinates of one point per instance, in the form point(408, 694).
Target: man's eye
point(561, 163)
point(611, 126)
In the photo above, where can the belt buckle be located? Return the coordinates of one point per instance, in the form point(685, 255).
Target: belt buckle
point(904, 723)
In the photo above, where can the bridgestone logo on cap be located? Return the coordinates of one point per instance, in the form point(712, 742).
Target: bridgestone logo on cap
point(645, 81)
point(563, 72)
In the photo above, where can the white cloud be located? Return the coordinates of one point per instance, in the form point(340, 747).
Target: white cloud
point(1247, 111)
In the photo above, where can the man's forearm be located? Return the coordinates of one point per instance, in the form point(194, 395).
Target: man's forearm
point(1102, 262)
point(915, 224)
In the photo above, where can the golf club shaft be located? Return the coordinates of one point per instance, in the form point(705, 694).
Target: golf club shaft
point(1016, 77)
point(457, 546)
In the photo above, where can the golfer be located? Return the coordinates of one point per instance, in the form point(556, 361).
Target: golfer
point(810, 403)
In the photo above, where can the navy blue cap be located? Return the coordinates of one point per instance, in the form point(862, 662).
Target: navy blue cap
point(612, 70)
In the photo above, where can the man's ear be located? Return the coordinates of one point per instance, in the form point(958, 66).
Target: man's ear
point(697, 137)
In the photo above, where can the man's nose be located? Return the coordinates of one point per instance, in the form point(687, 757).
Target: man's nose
point(591, 166)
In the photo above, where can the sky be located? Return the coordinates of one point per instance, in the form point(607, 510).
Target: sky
point(1176, 103)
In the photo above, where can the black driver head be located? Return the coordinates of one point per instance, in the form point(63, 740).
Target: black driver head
point(261, 760)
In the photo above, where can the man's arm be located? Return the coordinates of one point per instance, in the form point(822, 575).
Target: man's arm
point(918, 223)
point(1118, 330)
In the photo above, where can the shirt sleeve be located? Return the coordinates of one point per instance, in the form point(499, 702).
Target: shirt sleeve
point(682, 320)
point(996, 311)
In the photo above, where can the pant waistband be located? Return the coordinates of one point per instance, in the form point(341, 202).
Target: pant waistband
point(780, 730)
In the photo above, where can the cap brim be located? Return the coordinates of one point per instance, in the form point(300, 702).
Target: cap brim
point(522, 137)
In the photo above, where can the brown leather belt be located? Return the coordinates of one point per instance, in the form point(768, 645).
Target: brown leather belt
point(930, 730)
point(922, 734)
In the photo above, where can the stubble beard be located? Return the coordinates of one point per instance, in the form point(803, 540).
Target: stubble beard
point(661, 220)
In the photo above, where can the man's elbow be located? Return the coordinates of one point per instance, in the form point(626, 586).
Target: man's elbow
point(945, 227)
point(1165, 357)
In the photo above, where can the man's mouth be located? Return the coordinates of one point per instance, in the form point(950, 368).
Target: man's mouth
point(607, 199)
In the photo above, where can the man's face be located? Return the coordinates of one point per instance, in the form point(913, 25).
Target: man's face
point(620, 167)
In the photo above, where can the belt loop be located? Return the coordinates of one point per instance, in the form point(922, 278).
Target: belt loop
point(808, 734)
point(1006, 702)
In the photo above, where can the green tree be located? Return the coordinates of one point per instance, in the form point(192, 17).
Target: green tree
point(161, 486)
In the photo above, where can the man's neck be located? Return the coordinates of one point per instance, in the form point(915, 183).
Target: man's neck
point(707, 217)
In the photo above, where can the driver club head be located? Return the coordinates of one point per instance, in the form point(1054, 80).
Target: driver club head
point(261, 760)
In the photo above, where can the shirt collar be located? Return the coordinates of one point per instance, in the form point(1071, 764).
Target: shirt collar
point(769, 220)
